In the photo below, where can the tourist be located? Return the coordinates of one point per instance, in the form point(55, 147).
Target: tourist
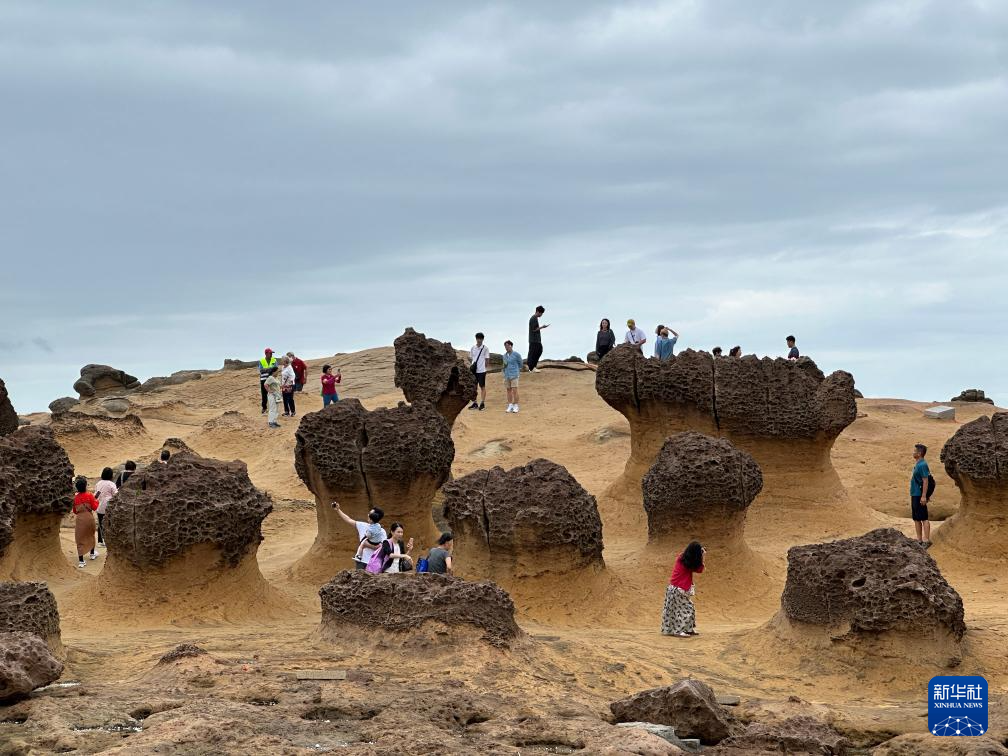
point(105, 489)
point(679, 615)
point(512, 369)
point(370, 534)
point(606, 339)
point(392, 554)
point(300, 371)
point(273, 394)
point(439, 559)
point(165, 456)
point(716, 351)
point(792, 349)
point(478, 355)
point(657, 332)
point(634, 335)
point(84, 506)
point(735, 351)
point(329, 382)
point(665, 345)
point(535, 349)
point(920, 486)
point(128, 469)
point(265, 363)
point(287, 379)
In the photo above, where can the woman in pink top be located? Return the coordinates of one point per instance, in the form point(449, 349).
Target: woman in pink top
point(679, 616)
point(105, 489)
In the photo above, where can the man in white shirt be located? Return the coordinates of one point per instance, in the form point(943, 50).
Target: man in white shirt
point(635, 335)
point(478, 356)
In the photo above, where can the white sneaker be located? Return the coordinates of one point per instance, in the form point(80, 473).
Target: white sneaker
point(93, 557)
point(535, 370)
point(515, 410)
point(81, 565)
point(510, 408)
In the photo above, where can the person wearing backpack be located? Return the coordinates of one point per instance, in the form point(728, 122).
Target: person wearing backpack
point(439, 559)
point(478, 357)
point(390, 556)
point(921, 487)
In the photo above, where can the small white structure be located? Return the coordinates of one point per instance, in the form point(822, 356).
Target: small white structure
point(940, 412)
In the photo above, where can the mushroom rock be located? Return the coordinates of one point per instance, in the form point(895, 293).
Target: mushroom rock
point(879, 593)
point(392, 458)
point(8, 417)
point(100, 378)
point(439, 606)
point(976, 458)
point(26, 663)
point(524, 522)
point(784, 413)
point(431, 370)
point(37, 480)
point(31, 608)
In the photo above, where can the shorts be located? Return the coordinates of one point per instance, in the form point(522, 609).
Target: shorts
point(481, 379)
point(918, 511)
point(511, 383)
point(298, 386)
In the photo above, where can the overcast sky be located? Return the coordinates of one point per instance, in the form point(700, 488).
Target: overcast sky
point(184, 182)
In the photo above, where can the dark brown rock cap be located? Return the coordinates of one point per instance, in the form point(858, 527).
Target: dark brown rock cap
point(879, 582)
point(164, 510)
point(26, 663)
point(95, 378)
point(8, 417)
point(400, 603)
point(35, 472)
point(430, 370)
point(535, 508)
point(689, 706)
point(28, 607)
point(979, 450)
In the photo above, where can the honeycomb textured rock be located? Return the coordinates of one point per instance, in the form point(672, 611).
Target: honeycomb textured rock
point(26, 663)
point(699, 483)
point(979, 450)
point(165, 509)
point(35, 472)
point(402, 603)
point(430, 370)
point(881, 581)
point(8, 417)
point(29, 607)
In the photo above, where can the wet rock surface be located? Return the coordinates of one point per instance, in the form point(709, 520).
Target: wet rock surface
point(401, 603)
point(430, 370)
point(29, 607)
point(875, 583)
point(531, 519)
point(689, 706)
point(26, 663)
point(35, 472)
point(979, 450)
point(164, 510)
point(99, 378)
point(8, 417)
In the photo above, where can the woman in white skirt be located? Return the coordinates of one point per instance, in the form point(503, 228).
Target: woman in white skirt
point(679, 616)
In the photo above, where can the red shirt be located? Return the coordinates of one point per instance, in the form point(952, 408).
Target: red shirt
point(329, 382)
point(300, 370)
point(83, 501)
point(682, 577)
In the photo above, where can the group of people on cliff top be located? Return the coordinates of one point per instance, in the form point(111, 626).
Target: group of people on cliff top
point(293, 376)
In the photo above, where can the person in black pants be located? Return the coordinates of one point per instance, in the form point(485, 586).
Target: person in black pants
point(535, 349)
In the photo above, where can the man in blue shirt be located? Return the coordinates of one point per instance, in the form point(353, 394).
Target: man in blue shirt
point(512, 369)
point(665, 345)
point(919, 495)
point(792, 348)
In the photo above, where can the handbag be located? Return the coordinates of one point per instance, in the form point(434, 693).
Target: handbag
point(472, 368)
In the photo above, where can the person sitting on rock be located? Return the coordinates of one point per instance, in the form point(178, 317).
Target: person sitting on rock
point(394, 559)
point(370, 534)
point(919, 479)
point(84, 507)
point(679, 615)
point(635, 335)
point(105, 489)
point(439, 559)
point(128, 469)
point(792, 349)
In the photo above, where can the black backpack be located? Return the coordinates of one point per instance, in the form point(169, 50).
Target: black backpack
point(930, 486)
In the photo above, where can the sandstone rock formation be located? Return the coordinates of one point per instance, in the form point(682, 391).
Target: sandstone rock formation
point(689, 706)
point(430, 370)
point(26, 663)
point(63, 405)
point(972, 395)
point(976, 458)
point(230, 364)
point(800, 734)
point(699, 489)
point(785, 413)
point(395, 459)
point(30, 608)
point(354, 601)
point(36, 480)
point(179, 376)
point(99, 378)
point(870, 590)
point(8, 417)
point(91, 427)
point(523, 522)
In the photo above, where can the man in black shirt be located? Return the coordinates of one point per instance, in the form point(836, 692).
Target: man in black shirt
point(535, 339)
point(792, 349)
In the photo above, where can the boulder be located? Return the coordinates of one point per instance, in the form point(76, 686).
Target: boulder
point(801, 734)
point(972, 395)
point(29, 608)
point(161, 381)
point(63, 405)
point(430, 370)
point(699, 489)
point(940, 413)
point(527, 521)
point(26, 663)
point(858, 394)
point(8, 417)
point(99, 378)
point(355, 600)
point(115, 405)
point(689, 706)
point(592, 358)
point(230, 364)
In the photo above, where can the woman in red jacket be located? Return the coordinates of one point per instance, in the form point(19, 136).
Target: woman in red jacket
point(679, 616)
point(84, 507)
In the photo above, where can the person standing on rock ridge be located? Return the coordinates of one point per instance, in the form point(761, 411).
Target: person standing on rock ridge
point(512, 370)
point(274, 395)
point(287, 379)
point(329, 382)
point(920, 480)
point(105, 489)
point(300, 371)
point(605, 340)
point(716, 351)
point(793, 353)
point(665, 345)
point(635, 335)
point(535, 349)
point(679, 615)
point(265, 363)
point(371, 534)
point(84, 507)
point(735, 351)
point(478, 355)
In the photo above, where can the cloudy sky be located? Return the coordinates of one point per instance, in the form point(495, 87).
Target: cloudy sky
point(184, 182)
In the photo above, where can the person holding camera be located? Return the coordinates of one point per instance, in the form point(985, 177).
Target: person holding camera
point(679, 615)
